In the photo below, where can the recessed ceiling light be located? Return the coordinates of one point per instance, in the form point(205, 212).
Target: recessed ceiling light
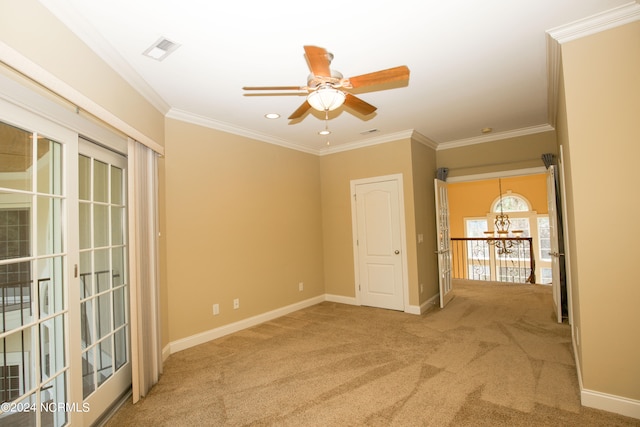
point(324, 132)
point(486, 130)
point(161, 49)
point(272, 115)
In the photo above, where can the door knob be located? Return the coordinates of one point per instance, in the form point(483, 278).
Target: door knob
point(397, 252)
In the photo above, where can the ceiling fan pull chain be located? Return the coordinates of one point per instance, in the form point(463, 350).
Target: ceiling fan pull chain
point(326, 126)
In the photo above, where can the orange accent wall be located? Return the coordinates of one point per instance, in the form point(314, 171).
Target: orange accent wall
point(474, 198)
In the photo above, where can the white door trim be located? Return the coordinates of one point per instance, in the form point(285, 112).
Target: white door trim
point(403, 235)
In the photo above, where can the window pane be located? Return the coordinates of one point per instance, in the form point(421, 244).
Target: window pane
point(475, 227)
point(52, 357)
point(15, 225)
point(117, 225)
point(84, 178)
point(52, 394)
point(51, 286)
point(120, 350)
point(119, 307)
point(15, 295)
point(117, 189)
point(16, 157)
point(520, 224)
point(103, 317)
point(49, 167)
point(84, 227)
point(101, 226)
point(118, 275)
point(100, 182)
point(88, 373)
point(86, 278)
point(105, 360)
point(544, 235)
point(511, 204)
point(86, 323)
point(102, 270)
point(49, 226)
point(12, 349)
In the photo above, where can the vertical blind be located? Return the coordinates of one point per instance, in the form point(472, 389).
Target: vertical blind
point(146, 354)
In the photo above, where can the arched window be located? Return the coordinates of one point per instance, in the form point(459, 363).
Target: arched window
point(522, 217)
point(510, 202)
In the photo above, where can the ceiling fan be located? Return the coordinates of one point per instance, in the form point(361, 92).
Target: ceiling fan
point(327, 89)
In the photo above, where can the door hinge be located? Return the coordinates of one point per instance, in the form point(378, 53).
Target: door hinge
point(75, 271)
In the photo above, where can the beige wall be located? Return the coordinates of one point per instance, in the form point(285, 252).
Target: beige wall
point(515, 153)
point(423, 160)
point(243, 220)
point(337, 172)
point(600, 131)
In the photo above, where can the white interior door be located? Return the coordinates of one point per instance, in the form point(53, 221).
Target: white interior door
point(379, 245)
point(553, 234)
point(444, 242)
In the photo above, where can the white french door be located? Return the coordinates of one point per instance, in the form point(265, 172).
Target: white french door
point(444, 242)
point(64, 327)
point(103, 274)
point(555, 251)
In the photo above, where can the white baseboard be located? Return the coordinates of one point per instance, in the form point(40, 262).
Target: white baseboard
point(212, 334)
point(166, 352)
point(598, 400)
point(610, 403)
point(341, 299)
point(413, 309)
point(429, 304)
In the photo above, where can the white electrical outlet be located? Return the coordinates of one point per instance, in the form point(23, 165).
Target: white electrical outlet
point(216, 309)
point(236, 304)
point(301, 286)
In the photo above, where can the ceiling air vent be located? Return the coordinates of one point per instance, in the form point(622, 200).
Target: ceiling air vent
point(367, 132)
point(161, 49)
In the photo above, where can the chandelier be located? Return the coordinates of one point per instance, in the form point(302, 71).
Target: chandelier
point(504, 239)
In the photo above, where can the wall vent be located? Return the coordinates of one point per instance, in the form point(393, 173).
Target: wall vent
point(161, 49)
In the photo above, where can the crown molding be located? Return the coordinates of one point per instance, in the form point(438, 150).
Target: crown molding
point(382, 139)
point(618, 16)
point(495, 137)
point(417, 136)
point(195, 119)
point(612, 18)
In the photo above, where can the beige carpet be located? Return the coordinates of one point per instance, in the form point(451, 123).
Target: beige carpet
point(493, 357)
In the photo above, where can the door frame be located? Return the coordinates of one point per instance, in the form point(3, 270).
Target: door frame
point(534, 171)
point(398, 178)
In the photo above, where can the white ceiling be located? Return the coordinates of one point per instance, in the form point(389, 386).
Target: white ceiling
point(473, 64)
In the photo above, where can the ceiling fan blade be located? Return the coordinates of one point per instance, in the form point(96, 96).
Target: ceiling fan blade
point(378, 77)
point(359, 105)
point(318, 59)
point(300, 111)
point(274, 88)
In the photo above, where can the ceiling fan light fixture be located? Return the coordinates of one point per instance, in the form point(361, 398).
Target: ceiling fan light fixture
point(326, 98)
